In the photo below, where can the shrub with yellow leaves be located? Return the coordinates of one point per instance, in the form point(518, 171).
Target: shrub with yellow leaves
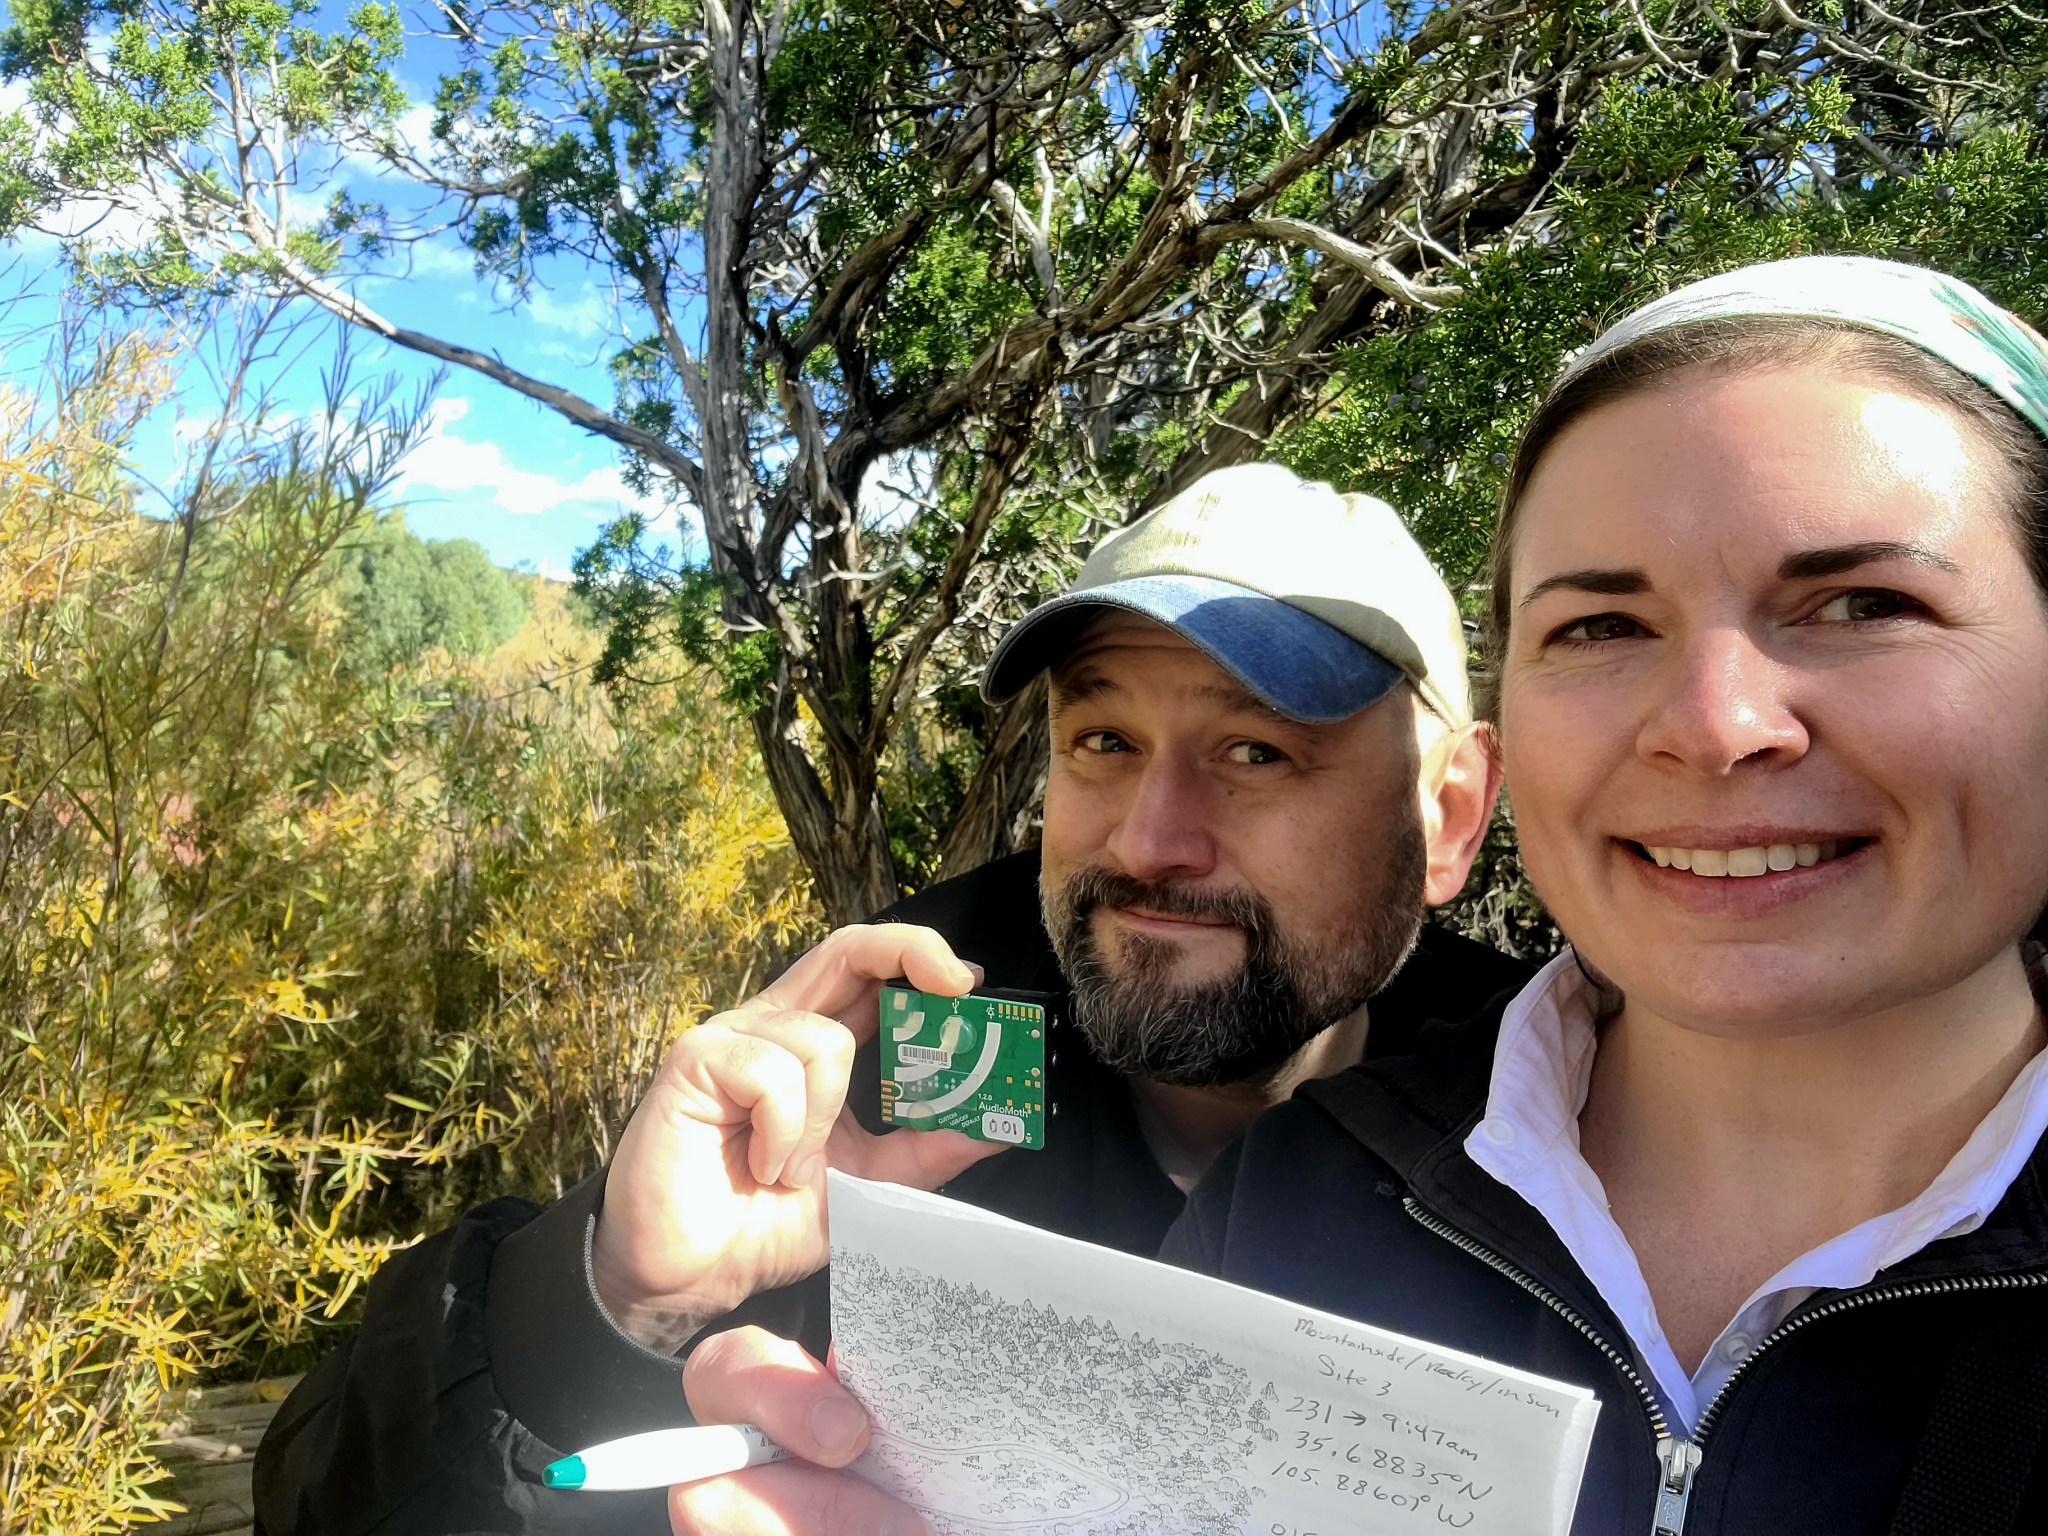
point(297, 957)
point(637, 876)
point(154, 962)
point(140, 1252)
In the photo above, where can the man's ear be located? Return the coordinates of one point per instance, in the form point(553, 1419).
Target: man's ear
point(1457, 806)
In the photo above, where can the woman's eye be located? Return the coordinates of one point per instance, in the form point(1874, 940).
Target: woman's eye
point(1101, 741)
point(1255, 753)
point(1864, 605)
point(1601, 626)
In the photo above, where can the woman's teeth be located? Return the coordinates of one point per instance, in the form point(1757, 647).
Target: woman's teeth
point(1739, 862)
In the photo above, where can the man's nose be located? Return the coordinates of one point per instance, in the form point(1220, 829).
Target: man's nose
point(1722, 700)
point(1164, 828)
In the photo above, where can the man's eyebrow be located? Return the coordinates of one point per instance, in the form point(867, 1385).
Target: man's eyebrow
point(1081, 685)
point(1834, 559)
point(1608, 583)
point(1086, 684)
point(1234, 697)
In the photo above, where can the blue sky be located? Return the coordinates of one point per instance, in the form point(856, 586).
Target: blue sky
point(521, 481)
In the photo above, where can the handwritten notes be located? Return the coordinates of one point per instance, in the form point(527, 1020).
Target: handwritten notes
point(1037, 1386)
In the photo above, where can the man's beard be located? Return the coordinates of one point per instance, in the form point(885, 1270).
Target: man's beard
point(1243, 1027)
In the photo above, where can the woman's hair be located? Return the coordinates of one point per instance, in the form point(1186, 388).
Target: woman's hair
point(1751, 345)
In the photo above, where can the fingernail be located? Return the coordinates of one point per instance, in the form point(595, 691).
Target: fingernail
point(836, 1424)
point(905, 1524)
point(799, 1172)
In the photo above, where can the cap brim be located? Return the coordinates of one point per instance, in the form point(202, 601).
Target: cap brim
point(1290, 660)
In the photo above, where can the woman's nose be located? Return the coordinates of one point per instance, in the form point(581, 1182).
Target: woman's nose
point(1721, 701)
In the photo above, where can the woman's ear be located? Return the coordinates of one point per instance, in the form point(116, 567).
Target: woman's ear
point(1460, 782)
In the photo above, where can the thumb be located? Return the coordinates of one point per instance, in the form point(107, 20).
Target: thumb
point(920, 1159)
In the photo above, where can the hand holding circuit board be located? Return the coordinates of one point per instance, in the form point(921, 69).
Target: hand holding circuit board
point(717, 1190)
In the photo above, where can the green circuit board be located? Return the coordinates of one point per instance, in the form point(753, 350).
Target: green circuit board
point(974, 1064)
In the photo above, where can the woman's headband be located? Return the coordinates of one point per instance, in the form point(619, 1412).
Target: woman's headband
point(1935, 312)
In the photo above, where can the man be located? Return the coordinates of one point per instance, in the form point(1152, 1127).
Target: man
point(1263, 767)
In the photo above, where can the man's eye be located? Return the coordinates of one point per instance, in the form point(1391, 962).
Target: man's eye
point(1101, 741)
point(1864, 605)
point(1255, 753)
point(1601, 626)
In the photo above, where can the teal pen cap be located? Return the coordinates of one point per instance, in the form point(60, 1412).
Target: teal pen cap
point(663, 1457)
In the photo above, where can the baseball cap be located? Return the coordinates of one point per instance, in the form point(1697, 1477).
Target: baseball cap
point(1316, 602)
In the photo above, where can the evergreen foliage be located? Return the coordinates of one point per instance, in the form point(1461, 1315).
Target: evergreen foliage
point(1041, 265)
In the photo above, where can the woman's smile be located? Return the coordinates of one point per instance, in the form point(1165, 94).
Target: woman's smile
point(1718, 878)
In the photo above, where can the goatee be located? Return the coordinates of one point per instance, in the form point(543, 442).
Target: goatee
point(1245, 1026)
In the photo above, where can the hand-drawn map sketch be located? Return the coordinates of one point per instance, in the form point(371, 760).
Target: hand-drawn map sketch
point(963, 1373)
point(1024, 1384)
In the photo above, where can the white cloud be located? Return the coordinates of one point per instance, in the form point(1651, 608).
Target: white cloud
point(448, 465)
point(591, 313)
point(434, 258)
point(414, 129)
point(412, 132)
point(304, 209)
point(106, 225)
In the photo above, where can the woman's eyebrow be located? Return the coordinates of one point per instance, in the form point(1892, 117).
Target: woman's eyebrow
point(1608, 583)
point(1834, 559)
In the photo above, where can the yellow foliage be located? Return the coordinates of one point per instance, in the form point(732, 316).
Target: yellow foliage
point(641, 876)
point(295, 962)
point(131, 1251)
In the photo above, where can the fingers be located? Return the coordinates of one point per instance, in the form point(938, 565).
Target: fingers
point(751, 1376)
point(789, 1499)
point(920, 1159)
point(785, 1072)
point(842, 972)
point(825, 1048)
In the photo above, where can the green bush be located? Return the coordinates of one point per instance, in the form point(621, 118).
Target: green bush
point(403, 596)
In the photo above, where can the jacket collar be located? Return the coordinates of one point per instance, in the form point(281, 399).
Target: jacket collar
point(1414, 1111)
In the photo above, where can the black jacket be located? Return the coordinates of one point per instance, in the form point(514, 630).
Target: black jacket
point(1820, 1432)
point(484, 1355)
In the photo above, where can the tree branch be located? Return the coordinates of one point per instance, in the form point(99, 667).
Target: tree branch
point(1383, 274)
point(337, 301)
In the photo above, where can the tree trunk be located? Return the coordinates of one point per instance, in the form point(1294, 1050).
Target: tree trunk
point(995, 816)
point(847, 853)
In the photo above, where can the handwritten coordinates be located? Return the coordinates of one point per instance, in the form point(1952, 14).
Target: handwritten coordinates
point(1375, 1454)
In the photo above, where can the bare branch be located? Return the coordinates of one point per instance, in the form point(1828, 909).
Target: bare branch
point(1383, 274)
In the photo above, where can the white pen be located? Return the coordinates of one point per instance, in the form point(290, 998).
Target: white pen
point(664, 1456)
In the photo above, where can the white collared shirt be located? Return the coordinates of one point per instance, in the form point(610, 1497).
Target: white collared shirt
point(1529, 1140)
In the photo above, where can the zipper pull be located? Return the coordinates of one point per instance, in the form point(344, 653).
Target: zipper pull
point(1677, 1461)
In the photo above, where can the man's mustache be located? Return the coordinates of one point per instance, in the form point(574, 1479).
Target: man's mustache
point(1088, 889)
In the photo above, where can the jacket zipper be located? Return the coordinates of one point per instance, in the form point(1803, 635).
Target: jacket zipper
point(1678, 1458)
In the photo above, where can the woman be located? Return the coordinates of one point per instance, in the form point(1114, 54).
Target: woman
point(1756, 1159)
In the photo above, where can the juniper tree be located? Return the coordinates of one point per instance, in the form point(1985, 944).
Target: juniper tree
point(1040, 267)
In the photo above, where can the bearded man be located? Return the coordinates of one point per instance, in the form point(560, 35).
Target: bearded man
point(1263, 769)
